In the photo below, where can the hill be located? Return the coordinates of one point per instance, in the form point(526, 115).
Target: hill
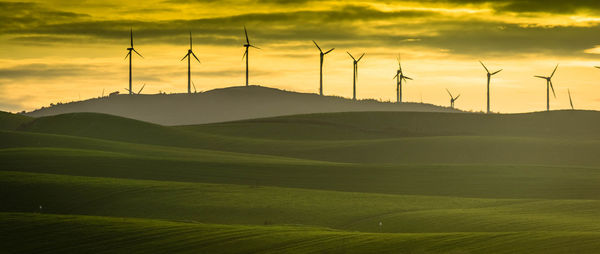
point(546, 138)
point(373, 125)
point(9, 121)
point(314, 183)
point(227, 104)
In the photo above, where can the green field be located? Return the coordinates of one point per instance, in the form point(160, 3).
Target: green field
point(321, 183)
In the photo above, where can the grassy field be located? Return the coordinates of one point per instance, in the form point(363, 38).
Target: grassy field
point(438, 183)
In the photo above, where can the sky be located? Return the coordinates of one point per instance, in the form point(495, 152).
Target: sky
point(65, 50)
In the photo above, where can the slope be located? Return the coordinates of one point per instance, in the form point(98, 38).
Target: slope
point(226, 104)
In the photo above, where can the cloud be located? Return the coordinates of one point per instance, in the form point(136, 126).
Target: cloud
point(22, 15)
point(548, 6)
point(346, 26)
point(33, 71)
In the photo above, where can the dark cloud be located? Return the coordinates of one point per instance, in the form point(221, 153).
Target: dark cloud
point(23, 15)
point(552, 6)
point(44, 71)
point(347, 26)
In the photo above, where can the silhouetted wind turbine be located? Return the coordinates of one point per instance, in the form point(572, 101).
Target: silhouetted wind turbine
point(322, 55)
point(140, 91)
point(247, 45)
point(355, 72)
point(399, 77)
point(189, 55)
point(570, 100)
point(548, 86)
point(489, 76)
point(452, 98)
point(130, 49)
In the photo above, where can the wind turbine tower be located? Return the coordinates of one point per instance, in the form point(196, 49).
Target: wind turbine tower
point(131, 49)
point(548, 87)
point(355, 73)
point(489, 77)
point(322, 55)
point(399, 77)
point(189, 55)
point(452, 98)
point(246, 55)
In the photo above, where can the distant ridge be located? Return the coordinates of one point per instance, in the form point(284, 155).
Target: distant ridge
point(225, 104)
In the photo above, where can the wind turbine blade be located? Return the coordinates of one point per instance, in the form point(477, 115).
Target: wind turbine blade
point(138, 53)
point(141, 89)
point(399, 65)
point(127, 90)
point(127, 54)
point(397, 73)
point(360, 57)
point(551, 86)
point(408, 78)
point(486, 69)
point(570, 100)
point(496, 72)
point(597, 67)
point(457, 97)
point(255, 47)
point(542, 77)
point(328, 51)
point(131, 36)
point(449, 93)
point(190, 40)
point(186, 55)
point(317, 46)
point(245, 53)
point(554, 71)
point(350, 55)
point(246, 32)
point(195, 57)
point(194, 86)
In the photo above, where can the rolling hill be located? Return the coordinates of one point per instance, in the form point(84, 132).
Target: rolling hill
point(313, 183)
point(227, 104)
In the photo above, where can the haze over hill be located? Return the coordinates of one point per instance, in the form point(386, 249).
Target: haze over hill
point(227, 104)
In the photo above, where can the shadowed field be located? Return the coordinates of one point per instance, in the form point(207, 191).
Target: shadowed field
point(438, 182)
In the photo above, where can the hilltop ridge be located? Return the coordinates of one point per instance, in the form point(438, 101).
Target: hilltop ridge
point(225, 104)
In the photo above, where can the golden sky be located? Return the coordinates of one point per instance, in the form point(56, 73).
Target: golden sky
point(62, 50)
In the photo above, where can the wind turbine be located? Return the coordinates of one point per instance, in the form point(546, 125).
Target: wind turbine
point(140, 91)
point(570, 100)
point(355, 72)
point(189, 55)
point(322, 55)
point(548, 86)
point(399, 77)
point(452, 98)
point(489, 76)
point(131, 49)
point(247, 45)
